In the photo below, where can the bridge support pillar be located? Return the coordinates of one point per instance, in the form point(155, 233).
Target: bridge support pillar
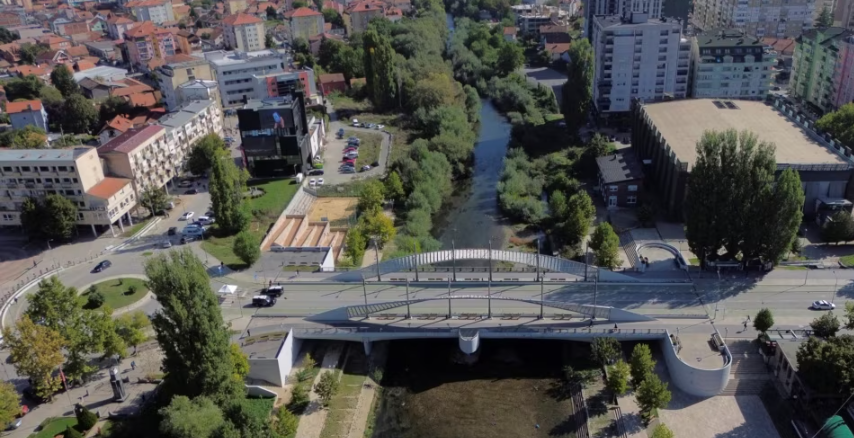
point(367, 345)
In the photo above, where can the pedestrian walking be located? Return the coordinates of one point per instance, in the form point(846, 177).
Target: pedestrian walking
point(34, 263)
point(16, 300)
point(248, 333)
point(133, 365)
point(745, 325)
point(615, 327)
point(748, 318)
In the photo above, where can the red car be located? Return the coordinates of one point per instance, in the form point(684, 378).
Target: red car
point(350, 160)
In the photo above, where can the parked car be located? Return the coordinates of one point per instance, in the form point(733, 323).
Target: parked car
point(102, 266)
point(315, 172)
point(205, 220)
point(191, 192)
point(375, 164)
point(349, 149)
point(187, 215)
point(380, 127)
point(351, 155)
point(172, 231)
point(312, 182)
point(348, 170)
point(166, 244)
point(188, 239)
point(185, 184)
point(14, 424)
point(366, 168)
point(822, 305)
point(320, 181)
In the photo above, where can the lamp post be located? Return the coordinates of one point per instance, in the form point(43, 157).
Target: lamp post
point(454, 256)
point(449, 298)
point(377, 257)
point(490, 259)
point(365, 294)
point(417, 255)
point(542, 280)
point(408, 313)
point(538, 262)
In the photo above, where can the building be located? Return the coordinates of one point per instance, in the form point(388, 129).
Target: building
point(772, 18)
point(25, 113)
point(75, 173)
point(316, 41)
point(361, 13)
point(557, 51)
point(729, 64)
point(305, 22)
point(785, 48)
point(54, 42)
point(188, 42)
point(638, 57)
point(141, 155)
point(93, 89)
point(147, 42)
point(155, 11)
point(529, 23)
point(665, 135)
point(275, 137)
point(823, 68)
point(243, 32)
point(235, 6)
point(114, 128)
point(551, 34)
point(186, 126)
point(510, 33)
point(332, 82)
point(179, 70)
point(620, 178)
point(592, 8)
point(103, 72)
point(105, 50)
point(287, 82)
point(117, 26)
point(236, 71)
point(68, 27)
point(271, 356)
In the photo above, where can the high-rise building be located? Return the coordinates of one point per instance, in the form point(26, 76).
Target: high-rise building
point(638, 57)
point(147, 42)
point(274, 136)
point(730, 64)
point(620, 8)
point(763, 18)
point(823, 68)
point(304, 23)
point(156, 11)
point(236, 71)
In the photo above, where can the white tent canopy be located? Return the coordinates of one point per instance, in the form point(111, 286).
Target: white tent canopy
point(228, 289)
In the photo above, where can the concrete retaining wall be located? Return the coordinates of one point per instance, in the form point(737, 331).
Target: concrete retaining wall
point(696, 381)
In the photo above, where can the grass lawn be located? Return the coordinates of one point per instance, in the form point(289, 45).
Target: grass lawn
point(847, 260)
point(116, 291)
point(265, 210)
point(342, 408)
point(369, 149)
point(129, 232)
point(54, 426)
point(347, 103)
point(400, 136)
point(694, 261)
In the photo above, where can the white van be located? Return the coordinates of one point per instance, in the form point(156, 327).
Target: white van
point(193, 231)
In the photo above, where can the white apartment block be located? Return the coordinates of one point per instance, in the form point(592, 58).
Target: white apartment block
point(244, 32)
point(729, 64)
point(156, 11)
point(621, 8)
point(762, 18)
point(638, 57)
point(186, 126)
point(236, 71)
point(75, 173)
point(142, 155)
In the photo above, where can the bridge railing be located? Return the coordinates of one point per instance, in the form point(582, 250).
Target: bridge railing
point(543, 330)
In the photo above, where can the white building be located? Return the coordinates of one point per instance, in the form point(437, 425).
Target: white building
point(198, 90)
point(768, 18)
point(729, 64)
point(156, 11)
point(638, 57)
point(622, 8)
point(236, 71)
point(243, 32)
point(187, 125)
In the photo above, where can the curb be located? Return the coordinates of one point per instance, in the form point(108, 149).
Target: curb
point(138, 234)
point(149, 295)
point(20, 292)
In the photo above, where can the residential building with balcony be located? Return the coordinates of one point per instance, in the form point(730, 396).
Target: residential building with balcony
point(155, 11)
point(823, 68)
point(236, 72)
point(117, 26)
point(141, 155)
point(235, 6)
point(305, 22)
point(762, 18)
point(362, 12)
point(592, 8)
point(275, 136)
point(244, 32)
point(179, 70)
point(285, 83)
point(147, 42)
point(729, 64)
point(75, 173)
point(638, 57)
point(199, 90)
point(186, 126)
point(27, 112)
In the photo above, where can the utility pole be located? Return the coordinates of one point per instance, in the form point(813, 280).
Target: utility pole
point(408, 313)
point(417, 254)
point(489, 298)
point(377, 257)
point(490, 259)
point(454, 256)
point(449, 298)
point(542, 280)
point(538, 262)
point(595, 292)
point(365, 294)
point(586, 260)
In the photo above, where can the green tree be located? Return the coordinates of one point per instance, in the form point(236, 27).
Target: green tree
point(29, 87)
point(131, 327)
point(825, 18)
point(286, 423)
point(472, 103)
point(36, 352)
point(764, 320)
point(154, 199)
point(578, 89)
point(581, 213)
point(28, 137)
point(299, 399)
point(825, 364)
point(189, 328)
point(510, 58)
point(300, 44)
point(849, 315)
point(10, 402)
point(241, 362)
point(29, 52)
point(62, 78)
point(85, 418)
point(618, 378)
point(355, 244)
point(204, 152)
point(78, 114)
point(185, 418)
point(642, 364)
point(226, 190)
point(646, 214)
point(652, 394)
point(371, 196)
point(247, 247)
point(839, 123)
point(840, 228)
point(435, 90)
point(246, 420)
point(6, 37)
point(268, 41)
point(662, 431)
point(377, 226)
point(380, 69)
point(393, 187)
point(271, 13)
point(332, 16)
point(826, 325)
point(327, 386)
point(114, 106)
point(71, 432)
point(606, 246)
point(606, 350)
point(599, 146)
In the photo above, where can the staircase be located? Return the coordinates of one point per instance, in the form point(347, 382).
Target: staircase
point(748, 375)
point(628, 244)
point(745, 386)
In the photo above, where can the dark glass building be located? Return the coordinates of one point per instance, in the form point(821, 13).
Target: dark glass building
point(274, 136)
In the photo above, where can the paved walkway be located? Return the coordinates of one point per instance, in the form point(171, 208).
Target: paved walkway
point(368, 393)
point(312, 421)
point(632, 421)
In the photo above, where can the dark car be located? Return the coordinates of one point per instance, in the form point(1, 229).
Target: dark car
point(263, 300)
point(172, 231)
point(315, 172)
point(101, 266)
point(274, 291)
point(191, 192)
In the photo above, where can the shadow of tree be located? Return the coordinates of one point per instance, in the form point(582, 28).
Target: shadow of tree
point(567, 427)
point(633, 423)
point(559, 391)
point(598, 404)
point(741, 431)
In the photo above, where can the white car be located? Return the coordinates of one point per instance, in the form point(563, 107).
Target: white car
point(312, 182)
point(187, 215)
point(822, 305)
point(320, 181)
point(380, 127)
point(356, 123)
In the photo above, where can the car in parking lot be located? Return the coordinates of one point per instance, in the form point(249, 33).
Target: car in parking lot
point(188, 239)
point(379, 127)
point(186, 183)
point(315, 172)
point(822, 305)
point(166, 244)
point(312, 182)
point(102, 266)
point(366, 168)
point(172, 231)
point(191, 192)
point(348, 170)
point(320, 181)
point(351, 155)
point(205, 220)
point(187, 215)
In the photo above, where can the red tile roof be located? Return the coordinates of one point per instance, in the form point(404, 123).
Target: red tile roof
point(25, 105)
point(119, 123)
point(84, 65)
point(145, 28)
point(331, 77)
point(557, 48)
point(107, 188)
point(77, 51)
point(131, 139)
point(786, 46)
point(145, 3)
point(304, 12)
point(241, 19)
point(143, 99)
point(365, 5)
point(119, 20)
point(510, 30)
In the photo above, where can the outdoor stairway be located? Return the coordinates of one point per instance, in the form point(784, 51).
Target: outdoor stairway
point(287, 237)
point(301, 203)
point(745, 386)
point(628, 244)
point(748, 375)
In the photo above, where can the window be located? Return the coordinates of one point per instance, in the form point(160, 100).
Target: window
point(43, 168)
point(7, 169)
point(633, 188)
point(63, 169)
point(8, 217)
point(25, 168)
point(632, 200)
point(612, 188)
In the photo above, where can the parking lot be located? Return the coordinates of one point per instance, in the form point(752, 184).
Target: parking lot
point(333, 153)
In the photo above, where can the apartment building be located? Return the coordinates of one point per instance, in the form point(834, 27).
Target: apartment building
point(180, 70)
point(118, 26)
point(762, 18)
point(236, 71)
point(199, 90)
point(27, 112)
point(730, 64)
point(155, 11)
point(75, 173)
point(822, 68)
point(285, 83)
point(235, 6)
point(141, 155)
point(362, 12)
point(244, 32)
point(186, 126)
point(305, 22)
point(638, 57)
point(592, 8)
point(147, 42)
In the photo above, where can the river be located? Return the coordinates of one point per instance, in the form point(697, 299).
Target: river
point(473, 216)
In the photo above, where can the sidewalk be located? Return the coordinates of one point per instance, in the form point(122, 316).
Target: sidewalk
point(369, 391)
point(311, 423)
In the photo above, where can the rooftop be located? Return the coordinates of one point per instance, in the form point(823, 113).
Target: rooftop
point(273, 102)
point(242, 19)
point(26, 105)
point(108, 187)
point(790, 349)
point(183, 115)
point(727, 38)
point(223, 58)
point(104, 71)
point(265, 346)
point(26, 155)
point(303, 12)
point(331, 77)
point(119, 123)
point(303, 256)
point(683, 122)
point(198, 83)
point(614, 21)
point(620, 166)
point(130, 139)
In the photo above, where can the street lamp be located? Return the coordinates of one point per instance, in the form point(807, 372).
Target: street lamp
point(454, 255)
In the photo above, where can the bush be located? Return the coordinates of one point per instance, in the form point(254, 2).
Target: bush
point(247, 247)
point(132, 289)
point(299, 400)
point(327, 387)
point(303, 375)
point(96, 300)
point(85, 418)
point(71, 432)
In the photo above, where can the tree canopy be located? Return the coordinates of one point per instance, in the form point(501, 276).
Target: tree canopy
point(827, 365)
point(52, 217)
point(578, 89)
point(62, 78)
point(839, 123)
